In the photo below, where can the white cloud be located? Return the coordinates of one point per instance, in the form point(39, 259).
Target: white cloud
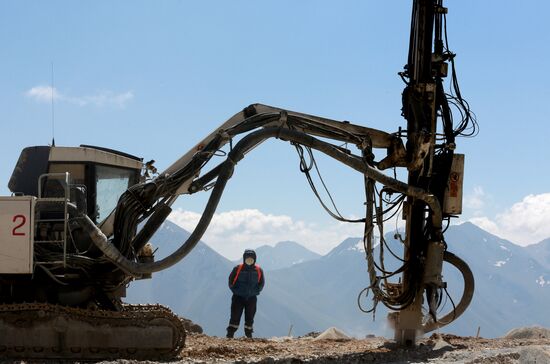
point(99, 99)
point(476, 200)
point(486, 224)
point(525, 222)
point(42, 93)
point(231, 232)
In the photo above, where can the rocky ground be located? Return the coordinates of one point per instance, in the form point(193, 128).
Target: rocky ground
point(530, 345)
point(526, 345)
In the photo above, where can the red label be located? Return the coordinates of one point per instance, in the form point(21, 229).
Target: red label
point(453, 185)
point(22, 220)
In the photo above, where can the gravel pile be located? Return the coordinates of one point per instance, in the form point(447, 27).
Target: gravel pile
point(535, 332)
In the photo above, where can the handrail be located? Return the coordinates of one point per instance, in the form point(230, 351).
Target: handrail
point(66, 200)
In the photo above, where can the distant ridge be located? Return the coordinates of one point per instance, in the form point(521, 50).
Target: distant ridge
point(541, 252)
point(283, 255)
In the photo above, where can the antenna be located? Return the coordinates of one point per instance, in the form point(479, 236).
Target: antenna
point(53, 114)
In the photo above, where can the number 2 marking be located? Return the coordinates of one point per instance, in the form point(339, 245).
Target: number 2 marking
point(22, 222)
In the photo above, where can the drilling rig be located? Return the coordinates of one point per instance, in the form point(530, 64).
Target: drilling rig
point(433, 166)
point(74, 234)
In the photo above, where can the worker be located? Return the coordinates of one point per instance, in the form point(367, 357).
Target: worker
point(246, 281)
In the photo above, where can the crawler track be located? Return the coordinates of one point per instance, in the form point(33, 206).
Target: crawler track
point(45, 331)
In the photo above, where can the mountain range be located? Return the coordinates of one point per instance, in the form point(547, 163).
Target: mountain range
point(283, 255)
point(307, 292)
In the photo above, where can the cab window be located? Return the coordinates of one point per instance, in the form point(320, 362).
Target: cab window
point(111, 182)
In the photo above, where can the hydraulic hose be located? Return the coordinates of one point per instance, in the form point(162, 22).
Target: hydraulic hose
point(137, 269)
point(225, 172)
point(467, 293)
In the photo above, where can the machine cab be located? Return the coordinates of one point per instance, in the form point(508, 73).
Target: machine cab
point(92, 178)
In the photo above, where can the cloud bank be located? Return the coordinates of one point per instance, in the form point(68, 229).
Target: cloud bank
point(99, 99)
point(231, 232)
point(524, 223)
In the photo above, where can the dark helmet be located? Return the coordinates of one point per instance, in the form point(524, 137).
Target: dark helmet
point(249, 253)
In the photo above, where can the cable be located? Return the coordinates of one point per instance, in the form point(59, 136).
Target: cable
point(468, 126)
point(305, 168)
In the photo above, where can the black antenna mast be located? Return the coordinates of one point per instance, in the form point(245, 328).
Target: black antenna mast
point(53, 115)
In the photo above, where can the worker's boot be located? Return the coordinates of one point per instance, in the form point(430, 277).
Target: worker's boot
point(248, 332)
point(230, 332)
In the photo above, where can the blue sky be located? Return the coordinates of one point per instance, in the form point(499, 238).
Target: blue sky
point(153, 78)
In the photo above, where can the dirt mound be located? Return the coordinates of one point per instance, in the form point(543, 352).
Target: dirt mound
point(332, 333)
point(535, 332)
